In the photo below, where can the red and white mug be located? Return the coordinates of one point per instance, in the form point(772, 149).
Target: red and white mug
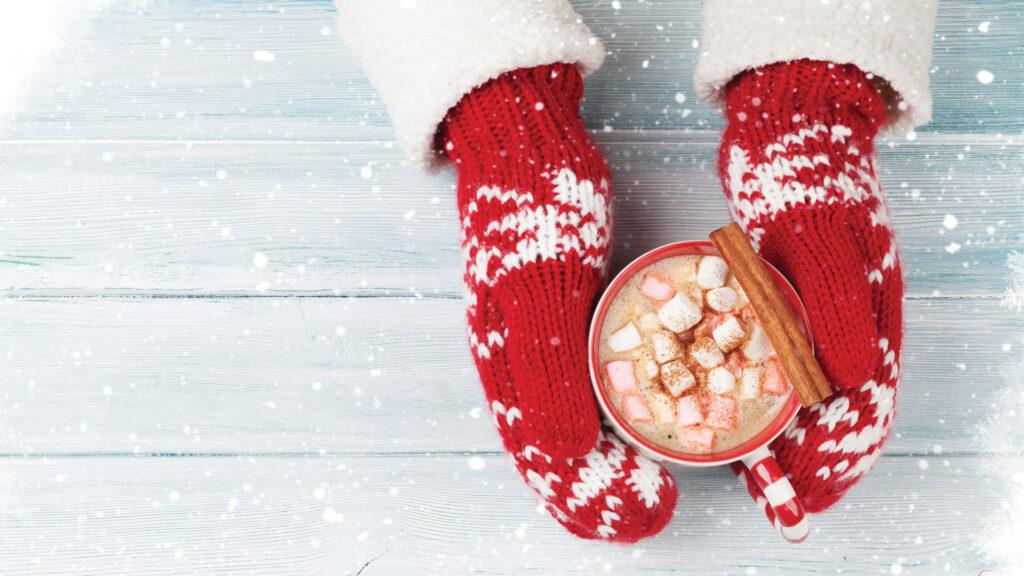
point(780, 502)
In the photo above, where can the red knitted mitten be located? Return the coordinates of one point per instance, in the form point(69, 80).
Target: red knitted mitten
point(797, 163)
point(534, 201)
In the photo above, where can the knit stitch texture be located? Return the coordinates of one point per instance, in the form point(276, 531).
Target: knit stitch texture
point(798, 167)
point(534, 202)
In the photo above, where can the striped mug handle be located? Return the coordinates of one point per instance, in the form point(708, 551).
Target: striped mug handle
point(780, 502)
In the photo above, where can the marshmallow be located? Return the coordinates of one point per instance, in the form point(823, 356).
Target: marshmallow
point(622, 375)
point(775, 381)
point(734, 362)
point(656, 288)
point(722, 299)
point(721, 381)
point(729, 334)
point(757, 346)
point(683, 270)
point(688, 411)
point(677, 378)
point(625, 338)
point(648, 365)
point(635, 410)
point(698, 436)
point(665, 345)
point(679, 314)
point(711, 272)
point(649, 322)
point(750, 382)
point(721, 412)
point(706, 353)
point(661, 406)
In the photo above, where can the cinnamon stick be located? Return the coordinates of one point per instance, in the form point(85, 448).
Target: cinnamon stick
point(775, 314)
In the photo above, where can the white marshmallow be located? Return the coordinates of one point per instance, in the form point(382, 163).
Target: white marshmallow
point(649, 322)
point(712, 272)
point(757, 345)
point(662, 407)
point(646, 367)
point(683, 271)
point(729, 334)
point(679, 314)
point(665, 345)
point(649, 367)
point(677, 378)
point(722, 299)
point(707, 353)
point(750, 382)
point(721, 380)
point(625, 338)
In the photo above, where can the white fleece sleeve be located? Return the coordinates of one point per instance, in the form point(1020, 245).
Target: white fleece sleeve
point(891, 39)
point(423, 56)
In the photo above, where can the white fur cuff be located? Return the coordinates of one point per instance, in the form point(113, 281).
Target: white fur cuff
point(423, 56)
point(891, 39)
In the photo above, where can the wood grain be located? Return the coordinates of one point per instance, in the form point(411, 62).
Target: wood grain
point(119, 217)
point(145, 78)
point(315, 516)
point(273, 376)
point(171, 405)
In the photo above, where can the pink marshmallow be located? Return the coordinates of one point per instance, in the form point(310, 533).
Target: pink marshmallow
point(656, 288)
point(635, 410)
point(775, 381)
point(698, 436)
point(734, 361)
point(688, 411)
point(622, 375)
point(721, 412)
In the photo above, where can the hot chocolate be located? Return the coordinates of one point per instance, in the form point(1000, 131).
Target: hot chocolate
point(684, 360)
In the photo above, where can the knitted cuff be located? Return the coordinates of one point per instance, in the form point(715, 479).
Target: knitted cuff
point(799, 134)
point(788, 97)
point(498, 133)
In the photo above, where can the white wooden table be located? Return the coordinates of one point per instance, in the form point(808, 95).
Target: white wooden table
point(231, 335)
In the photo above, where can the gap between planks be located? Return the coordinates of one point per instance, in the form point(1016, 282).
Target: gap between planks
point(386, 455)
point(651, 137)
point(382, 293)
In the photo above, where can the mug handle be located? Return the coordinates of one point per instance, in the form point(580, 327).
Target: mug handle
point(779, 501)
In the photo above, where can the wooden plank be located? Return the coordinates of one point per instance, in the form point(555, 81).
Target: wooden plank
point(131, 217)
point(273, 376)
point(437, 515)
point(180, 69)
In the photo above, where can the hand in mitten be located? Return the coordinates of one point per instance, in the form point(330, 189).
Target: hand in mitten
point(798, 167)
point(534, 203)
